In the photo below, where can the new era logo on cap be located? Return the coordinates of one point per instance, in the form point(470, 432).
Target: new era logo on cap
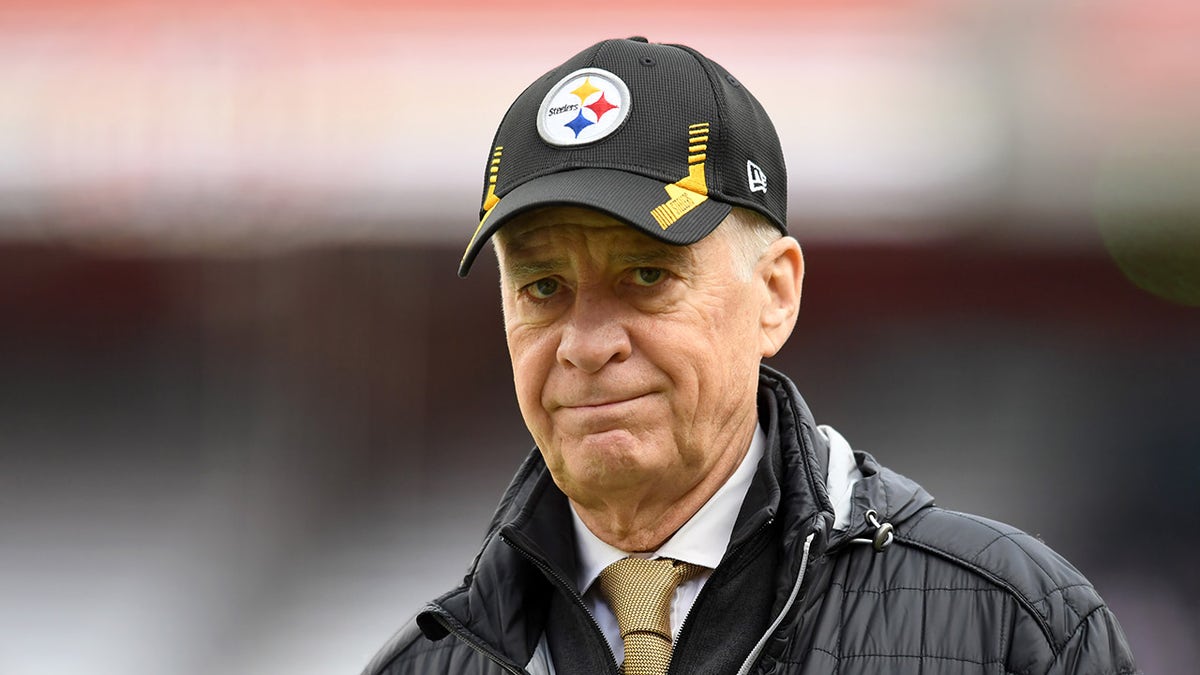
point(756, 180)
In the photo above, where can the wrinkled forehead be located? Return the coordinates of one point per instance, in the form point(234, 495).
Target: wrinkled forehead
point(561, 230)
point(541, 223)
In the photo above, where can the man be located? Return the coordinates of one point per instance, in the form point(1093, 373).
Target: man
point(682, 511)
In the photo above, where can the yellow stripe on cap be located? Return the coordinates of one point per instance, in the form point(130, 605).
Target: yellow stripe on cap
point(490, 200)
point(476, 233)
point(690, 191)
point(681, 201)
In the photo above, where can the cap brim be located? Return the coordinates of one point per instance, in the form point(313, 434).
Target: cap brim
point(628, 197)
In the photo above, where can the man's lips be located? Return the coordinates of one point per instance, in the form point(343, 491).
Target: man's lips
point(600, 403)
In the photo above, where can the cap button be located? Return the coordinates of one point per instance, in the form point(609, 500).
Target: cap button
point(638, 38)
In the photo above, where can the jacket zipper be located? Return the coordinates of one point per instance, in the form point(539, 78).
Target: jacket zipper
point(479, 646)
point(571, 593)
point(684, 626)
point(762, 642)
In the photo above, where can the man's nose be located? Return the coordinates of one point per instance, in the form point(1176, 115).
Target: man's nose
point(594, 333)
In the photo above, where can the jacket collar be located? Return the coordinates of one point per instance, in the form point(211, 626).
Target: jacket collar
point(529, 549)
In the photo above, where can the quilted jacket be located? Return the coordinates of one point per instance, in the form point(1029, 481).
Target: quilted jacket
point(908, 587)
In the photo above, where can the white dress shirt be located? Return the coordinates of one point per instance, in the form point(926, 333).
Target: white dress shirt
point(701, 541)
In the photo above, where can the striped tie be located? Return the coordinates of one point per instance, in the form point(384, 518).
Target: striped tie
point(639, 592)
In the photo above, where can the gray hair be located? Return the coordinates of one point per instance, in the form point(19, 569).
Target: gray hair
point(749, 233)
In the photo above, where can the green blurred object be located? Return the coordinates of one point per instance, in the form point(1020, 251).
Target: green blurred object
point(1148, 209)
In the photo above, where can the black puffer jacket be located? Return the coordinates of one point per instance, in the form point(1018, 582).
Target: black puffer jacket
point(949, 593)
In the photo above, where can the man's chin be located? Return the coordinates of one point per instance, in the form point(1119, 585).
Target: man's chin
point(612, 460)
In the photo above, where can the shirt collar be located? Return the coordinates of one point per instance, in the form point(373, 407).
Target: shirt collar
point(701, 541)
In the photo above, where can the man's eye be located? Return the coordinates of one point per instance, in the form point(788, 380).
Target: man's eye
point(543, 288)
point(647, 276)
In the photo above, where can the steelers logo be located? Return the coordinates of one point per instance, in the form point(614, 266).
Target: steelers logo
point(583, 107)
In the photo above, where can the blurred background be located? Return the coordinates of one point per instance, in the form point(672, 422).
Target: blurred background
point(250, 418)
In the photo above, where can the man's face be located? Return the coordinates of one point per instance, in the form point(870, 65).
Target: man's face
point(635, 362)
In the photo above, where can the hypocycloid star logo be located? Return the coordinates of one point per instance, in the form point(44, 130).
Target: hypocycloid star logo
point(583, 107)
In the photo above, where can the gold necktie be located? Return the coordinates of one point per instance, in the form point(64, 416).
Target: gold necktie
point(639, 592)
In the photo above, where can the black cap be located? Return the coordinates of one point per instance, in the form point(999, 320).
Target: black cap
point(657, 136)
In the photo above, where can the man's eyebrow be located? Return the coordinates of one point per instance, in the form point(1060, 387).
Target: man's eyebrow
point(675, 256)
point(533, 267)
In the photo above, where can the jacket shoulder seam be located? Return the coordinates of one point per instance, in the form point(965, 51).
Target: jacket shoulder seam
point(1083, 622)
point(1035, 605)
point(1011, 536)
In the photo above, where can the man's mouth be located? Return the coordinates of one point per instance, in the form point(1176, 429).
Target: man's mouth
point(602, 402)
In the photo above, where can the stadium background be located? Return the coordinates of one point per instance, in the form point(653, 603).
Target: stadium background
point(250, 418)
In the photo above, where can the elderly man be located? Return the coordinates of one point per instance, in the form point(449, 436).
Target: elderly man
point(682, 512)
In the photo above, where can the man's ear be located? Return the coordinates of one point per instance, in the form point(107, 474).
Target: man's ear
point(781, 268)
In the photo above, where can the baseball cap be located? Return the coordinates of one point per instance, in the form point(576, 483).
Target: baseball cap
point(655, 135)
